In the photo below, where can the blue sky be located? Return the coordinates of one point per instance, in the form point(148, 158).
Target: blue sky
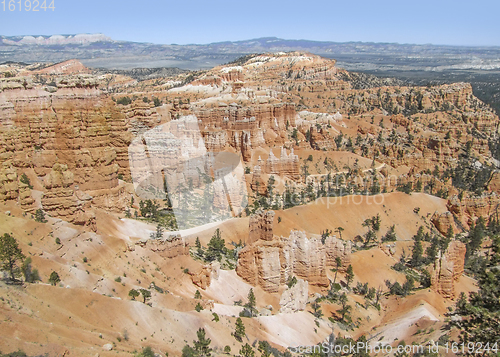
point(438, 22)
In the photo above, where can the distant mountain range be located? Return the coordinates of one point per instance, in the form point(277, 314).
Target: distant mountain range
point(98, 50)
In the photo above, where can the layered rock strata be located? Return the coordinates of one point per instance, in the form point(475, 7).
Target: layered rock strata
point(270, 261)
point(169, 247)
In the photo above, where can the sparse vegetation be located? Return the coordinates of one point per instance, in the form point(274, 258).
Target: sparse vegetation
point(124, 101)
point(146, 294)
point(40, 216)
point(133, 293)
point(25, 179)
point(54, 278)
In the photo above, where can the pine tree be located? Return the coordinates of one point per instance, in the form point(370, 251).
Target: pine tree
point(317, 313)
point(251, 304)
point(202, 346)
point(345, 310)
point(198, 307)
point(251, 300)
point(376, 223)
point(159, 232)
point(432, 250)
point(340, 230)
point(416, 255)
point(390, 236)
point(40, 216)
point(54, 278)
point(481, 311)
point(247, 351)
point(370, 237)
point(420, 234)
point(10, 254)
point(199, 249)
point(476, 235)
point(216, 247)
point(239, 331)
point(349, 275)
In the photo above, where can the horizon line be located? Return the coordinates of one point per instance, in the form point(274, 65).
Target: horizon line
point(255, 39)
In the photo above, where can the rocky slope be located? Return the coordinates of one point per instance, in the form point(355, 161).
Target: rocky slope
point(301, 157)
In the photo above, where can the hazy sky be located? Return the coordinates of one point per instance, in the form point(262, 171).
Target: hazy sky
point(454, 22)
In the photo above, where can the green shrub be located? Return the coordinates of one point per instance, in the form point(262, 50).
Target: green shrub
point(124, 101)
point(54, 278)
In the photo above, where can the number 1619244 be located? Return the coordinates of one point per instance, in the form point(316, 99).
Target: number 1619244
point(28, 5)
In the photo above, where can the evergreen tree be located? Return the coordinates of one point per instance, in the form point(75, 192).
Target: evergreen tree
point(199, 250)
point(431, 251)
point(481, 311)
point(133, 293)
point(390, 236)
point(349, 275)
point(202, 345)
point(416, 255)
point(25, 179)
point(146, 294)
point(376, 222)
point(345, 310)
point(159, 232)
point(188, 351)
point(54, 278)
point(420, 234)
point(40, 216)
point(264, 348)
point(340, 230)
point(317, 313)
point(370, 237)
point(476, 235)
point(239, 331)
point(247, 351)
point(216, 247)
point(251, 302)
point(325, 234)
point(418, 186)
point(10, 254)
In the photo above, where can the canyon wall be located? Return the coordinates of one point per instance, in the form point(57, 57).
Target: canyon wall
point(270, 261)
point(447, 268)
